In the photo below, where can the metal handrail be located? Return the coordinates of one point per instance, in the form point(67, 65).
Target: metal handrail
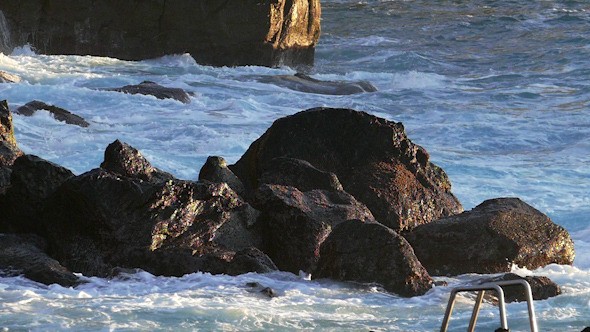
point(501, 303)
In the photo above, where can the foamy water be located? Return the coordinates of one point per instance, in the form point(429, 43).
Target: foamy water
point(496, 92)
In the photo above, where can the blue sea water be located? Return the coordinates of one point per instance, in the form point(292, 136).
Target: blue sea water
point(498, 92)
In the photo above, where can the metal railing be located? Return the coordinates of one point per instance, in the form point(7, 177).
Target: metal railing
point(501, 303)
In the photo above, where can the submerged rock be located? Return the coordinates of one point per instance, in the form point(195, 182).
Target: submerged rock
point(491, 238)
point(293, 224)
point(304, 83)
point(372, 157)
point(153, 89)
point(372, 253)
point(221, 33)
point(542, 288)
point(9, 78)
point(58, 113)
point(23, 254)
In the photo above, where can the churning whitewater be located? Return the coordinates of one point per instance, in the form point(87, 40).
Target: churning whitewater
point(497, 92)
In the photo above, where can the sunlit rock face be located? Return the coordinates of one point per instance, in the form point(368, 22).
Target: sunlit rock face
point(221, 33)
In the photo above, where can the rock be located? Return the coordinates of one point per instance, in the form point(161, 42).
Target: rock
point(266, 32)
point(33, 180)
point(304, 83)
point(293, 224)
point(265, 291)
point(58, 113)
point(491, 238)
point(299, 174)
point(23, 254)
point(250, 260)
point(9, 78)
point(216, 170)
point(153, 89)
point(122, 159)
point(372, 157)
point(9, 150)
point(372, 253)
point(542, 288)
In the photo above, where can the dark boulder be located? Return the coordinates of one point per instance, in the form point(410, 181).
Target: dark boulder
point(122, 159)
point(58, 113)
point(153, 89)
point(372, 253)
point(8, 77)
point(293, 224)
point(23, 255)
point(304, 83)
point(9, 150)
point(216, 170)
point(299, 174)
point(490, 239)
point(542, 288)
point(221, 33)
point(250, 260)
point(32, 181)
point(372, 157)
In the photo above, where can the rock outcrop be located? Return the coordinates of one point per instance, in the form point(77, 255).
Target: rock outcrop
point(23, 255)
point(148, 88)
point(542, 288)
point(220, 33)
point(370, 252)
point(58, 113)
point(9, 150)
point(490, 239)
point(293, 224)
point(372, 157)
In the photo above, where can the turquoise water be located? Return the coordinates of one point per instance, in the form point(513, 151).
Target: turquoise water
point(497, 91)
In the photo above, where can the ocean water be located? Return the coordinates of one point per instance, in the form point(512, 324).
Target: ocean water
point(498, 92)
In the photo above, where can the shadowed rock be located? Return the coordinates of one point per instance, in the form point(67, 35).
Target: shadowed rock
point(372, 157)
point(23, 254)
point(299, 174)
point(372, 253)
point(58, 113)
point(153, 89)
point(125, 160)
point(542, 288)
point(304, 83)
point(250, 260)
point(293, 224)
point(9, 150)
point(32, 181)
point(221, 33)
point(490, 239)
point(216, 170)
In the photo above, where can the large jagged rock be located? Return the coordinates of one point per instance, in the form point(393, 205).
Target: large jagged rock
point(221, 33)
point(58, 113)
point(154, 89)
point(32, 181)
point(372, 157)
point(23, 254)
point(293, 224)
point(372, 253)
point(9, 150)
point(123, 159)
point(490, 239)
point(104, 219)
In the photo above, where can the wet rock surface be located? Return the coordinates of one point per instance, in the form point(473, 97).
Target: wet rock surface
point(542, 288)
point(23, 254)
point(371, 252)
point(58, 113)
point(372, 157)
point(293, 224)
point(154, 89)
point(9, 150)
point(9, 78)
point(227, 33)
point(490, 239)
point(304, 83)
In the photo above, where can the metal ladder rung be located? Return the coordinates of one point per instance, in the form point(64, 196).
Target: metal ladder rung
point(501, 303)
